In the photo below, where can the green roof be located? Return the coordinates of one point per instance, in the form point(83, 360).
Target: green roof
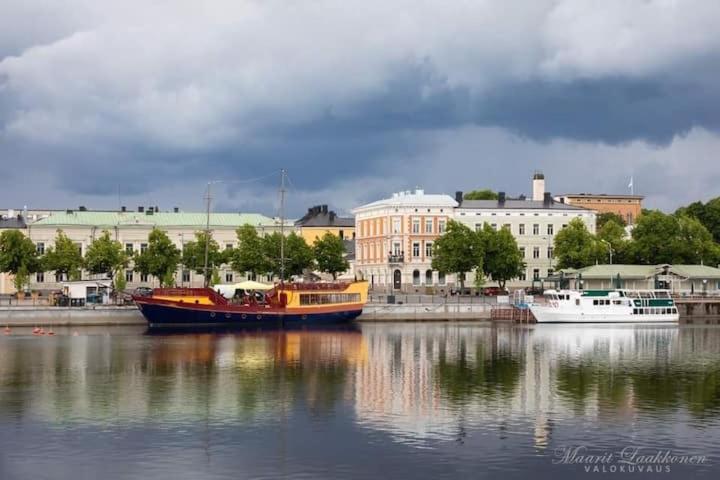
point(643, 271)
point(159, 219)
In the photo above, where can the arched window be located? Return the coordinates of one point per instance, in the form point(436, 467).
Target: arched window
point(416, 277)
point(441, 278)
point(428, 277)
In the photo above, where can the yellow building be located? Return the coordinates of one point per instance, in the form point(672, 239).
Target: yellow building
point(318, 221)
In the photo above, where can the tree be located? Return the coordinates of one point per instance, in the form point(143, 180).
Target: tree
point(160, 259)
point(576, 247)
point(605, 217)
point(329, 252)
point(120, 283)
point(502, 258)
point(458, 251)
point(708, 214)
point(485, 194)
point(65, 258)
point(105, 255)
point(193, 255)
point(18, 256)
point(695, 243)
point(249, 255)
point(613, 234)
point(654, 238)
point(298, 254)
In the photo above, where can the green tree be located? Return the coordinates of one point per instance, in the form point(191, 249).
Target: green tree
point(605, 217)
point(64, 258)
point(502, 258)
point(329, 252)
point(694, 243)
point(576, 247)
point(298, 254)
point(249, 255)
point(18, 256)
point(459, 250)
point(614, 234)
point(193, 255)
point(708, 214)
point(119, 282)
point(105, 255)
point(485, 194)
point(160, 259)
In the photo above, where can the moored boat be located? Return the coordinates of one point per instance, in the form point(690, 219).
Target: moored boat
point(606, 306)
point(288, 304)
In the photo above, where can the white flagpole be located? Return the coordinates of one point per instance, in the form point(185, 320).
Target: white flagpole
point(632, 186)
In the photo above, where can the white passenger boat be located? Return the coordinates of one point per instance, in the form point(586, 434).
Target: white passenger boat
point(606, 306)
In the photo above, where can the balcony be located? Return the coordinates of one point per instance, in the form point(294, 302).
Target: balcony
point(396, 258)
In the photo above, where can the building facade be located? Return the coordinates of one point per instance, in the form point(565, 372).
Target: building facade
point(319, 220)
point(394, 241)
point(132, 229)
point(627, 206)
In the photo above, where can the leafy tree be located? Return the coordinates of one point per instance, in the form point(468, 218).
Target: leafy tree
point(694, 243)
point(329, 252)
point(249, 254)
point(18, 256)
point(458, 251)
point(485, 194)
point(708, 214)
point(64, 258)
point(160, 259)
point(298, 254)
point(576, 247)
point(215, 276)
point(614, 234)
point(605, 217)
point(502, 258)
point(120, 283)
point(105, 255)
point(193, 255)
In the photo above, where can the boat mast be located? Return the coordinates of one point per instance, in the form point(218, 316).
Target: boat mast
point(282, 225)
point(208, 197)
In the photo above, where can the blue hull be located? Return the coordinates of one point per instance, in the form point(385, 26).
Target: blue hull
point(162, 316)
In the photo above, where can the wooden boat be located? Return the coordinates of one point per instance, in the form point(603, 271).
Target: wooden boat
point(289, 304)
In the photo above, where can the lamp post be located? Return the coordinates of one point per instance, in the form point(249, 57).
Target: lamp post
point(182, 251)
point(609, 249)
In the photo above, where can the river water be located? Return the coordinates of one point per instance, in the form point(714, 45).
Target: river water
point(381, 401)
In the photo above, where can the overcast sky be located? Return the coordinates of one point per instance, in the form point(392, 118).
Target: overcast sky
point(357, 99)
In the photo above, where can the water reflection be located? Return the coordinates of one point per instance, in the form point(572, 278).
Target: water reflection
point(420, 386)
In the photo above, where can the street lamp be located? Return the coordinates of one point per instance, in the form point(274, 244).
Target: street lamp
point(182, 251)
point(609, 249)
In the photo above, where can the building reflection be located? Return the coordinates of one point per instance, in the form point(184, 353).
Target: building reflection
point(417, 383)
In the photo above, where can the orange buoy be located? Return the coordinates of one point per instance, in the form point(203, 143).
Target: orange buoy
point(51, 332)
point(36, 330)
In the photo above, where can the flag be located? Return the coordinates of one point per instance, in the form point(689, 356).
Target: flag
point(630, 185)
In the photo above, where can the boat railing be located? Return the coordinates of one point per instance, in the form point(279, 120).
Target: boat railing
point(215, 297)
point(316, 286)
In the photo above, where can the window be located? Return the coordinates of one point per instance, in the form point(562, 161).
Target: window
point(494, 226)
point(536, 252)
point(478, 227)
point(521, 229)
point(416, 226)
point(522, 252)
point(143, 247)
point(79, 247)
point(396, 248)
point(507, 227)
point(128, 275)
point(40, 248)
point(341, 234)
point(428, 225)
point(143, 277)
point(416, 277)
point(550, 229)
point(129, 248)
point(550, 251)
point(396, 225)
point(536, 274)
point(228, 246)
point(428, 249)
point(326, 298)
point(441, 226)
point(564, 225)
point(40, 277)
point(416, 249)
point(228, 277)
point(186, 276)
point(523, 275)
point(441, 278)
point(536, 229)
point(428, 277)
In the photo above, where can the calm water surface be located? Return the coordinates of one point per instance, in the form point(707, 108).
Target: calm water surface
point(384, 401)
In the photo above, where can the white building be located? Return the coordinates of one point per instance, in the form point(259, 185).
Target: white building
point(394, 239)
point(534, 224)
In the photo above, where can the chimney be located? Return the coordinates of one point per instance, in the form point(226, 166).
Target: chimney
point(123, 208)
point(459, 196)
point(141, 209)
point(538, 186)
point(324, 209)
point(157, 209)
point(522, 197)
point(332, 216)
point(547, 199)
point(176, 210)
point(82, 208)
point(501, 198)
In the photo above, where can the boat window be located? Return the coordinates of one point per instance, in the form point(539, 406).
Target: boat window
point(635, 311)
point(326, 298)
point(662, 295)
point(617, 302)
point(577, 301)
point(595, 302)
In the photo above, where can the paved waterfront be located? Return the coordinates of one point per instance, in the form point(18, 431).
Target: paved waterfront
point(383, 401)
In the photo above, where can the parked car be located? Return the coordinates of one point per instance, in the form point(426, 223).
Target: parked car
point(143, 291)
point(494, 291)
